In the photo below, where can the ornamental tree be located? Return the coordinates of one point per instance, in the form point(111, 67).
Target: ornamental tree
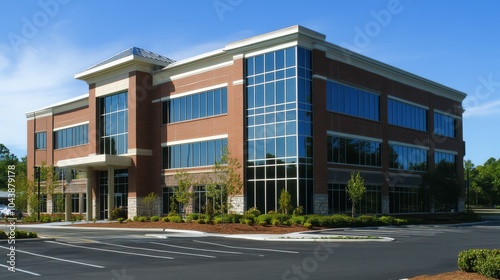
point(355, 189)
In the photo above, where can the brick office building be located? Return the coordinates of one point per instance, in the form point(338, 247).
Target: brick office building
point(298, 112)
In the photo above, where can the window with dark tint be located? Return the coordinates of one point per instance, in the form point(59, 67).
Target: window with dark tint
point(195, 106)
point(353, 151)
point(114, 124)
point(352, 101)
point(445, 162)
point(407, 158)
point(407, 115)
point(73, 136)
point(193, 154)
point(444, 125)
point(40, 140)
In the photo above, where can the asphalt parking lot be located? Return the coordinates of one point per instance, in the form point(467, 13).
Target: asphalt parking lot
point(127, 255)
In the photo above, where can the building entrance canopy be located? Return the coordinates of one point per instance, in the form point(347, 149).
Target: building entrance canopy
point(96, 162)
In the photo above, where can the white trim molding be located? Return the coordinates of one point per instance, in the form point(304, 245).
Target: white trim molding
point(408, 145)
point(194, 140)
point(191, 92)
point(353, 136)
point(71, 125)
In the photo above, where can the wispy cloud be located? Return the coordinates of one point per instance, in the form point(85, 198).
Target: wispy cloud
point(35, 78)
point(481, 110)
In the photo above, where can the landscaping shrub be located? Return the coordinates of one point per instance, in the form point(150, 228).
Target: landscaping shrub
point(299, 211)
point(308, 225)
point(471, 260)
point(387, 220)
point(249, 222)
point(366, 220)
point(200, 221)
point(297, 220)
point(193, 216)
point(233, 218)
point(263, 223)
point(46, 219)
point(253, 211)
point(164, 219)
point(155, 218)
point(490, 267)
point(275, 222)
point(118, 213)
point(400, 222)
point(25, 234)
point(314, 220)
point(337, 220)
point(19, 234)
point(142, 219)
point(175, 218)
point(266, 218)
point(120, 220)
point(218, 220)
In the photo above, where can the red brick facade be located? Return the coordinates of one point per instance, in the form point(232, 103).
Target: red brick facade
point(147, 89)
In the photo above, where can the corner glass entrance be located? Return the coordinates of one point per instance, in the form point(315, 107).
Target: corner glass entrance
point(120, 191)
point(279, 128)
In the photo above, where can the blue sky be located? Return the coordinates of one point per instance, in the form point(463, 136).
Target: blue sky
point(452, 42)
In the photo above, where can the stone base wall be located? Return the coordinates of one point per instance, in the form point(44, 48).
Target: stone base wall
point(320, 204)
point(385, 205)
point(237, 204)
point(138, 208)
point(131, 207)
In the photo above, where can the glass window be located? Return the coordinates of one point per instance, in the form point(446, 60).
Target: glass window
point(353, 151)
point(444, 125)
point(280, 59)
point(210, 103)
point(250, 64)
point(115, 121)
point(290, 57)
point(259, 96)
point(69, 137)
point(41, 140)
point(407, 158)
point(407, 115)
point(352, 101)
point(259, 64)
point(269, 61)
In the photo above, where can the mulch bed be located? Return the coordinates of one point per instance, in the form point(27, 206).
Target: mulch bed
point(220, 228)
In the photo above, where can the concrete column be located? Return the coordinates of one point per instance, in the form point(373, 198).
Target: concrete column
point(88, 216)
point(111, 190)
point(67, 207)
point(80, 203)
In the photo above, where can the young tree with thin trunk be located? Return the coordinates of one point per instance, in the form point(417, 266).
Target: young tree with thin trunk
point(183, 192)
point(285, 202)
point(355, 189)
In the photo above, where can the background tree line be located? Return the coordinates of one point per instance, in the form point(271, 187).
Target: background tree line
point(484, 182)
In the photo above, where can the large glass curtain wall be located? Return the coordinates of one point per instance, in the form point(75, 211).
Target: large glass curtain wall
point(279, 128)
point(114, 124)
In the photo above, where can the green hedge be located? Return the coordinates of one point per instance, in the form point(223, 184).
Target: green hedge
point(482, 261)
point(19, 234)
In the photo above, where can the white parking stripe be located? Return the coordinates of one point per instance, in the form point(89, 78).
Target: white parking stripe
point(111, 251)
point(247, 248)
point(162, 251)
point(54, 258)
point(22, 270)
point(197, 249)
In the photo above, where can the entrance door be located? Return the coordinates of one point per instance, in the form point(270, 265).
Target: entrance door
point(103, 195)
